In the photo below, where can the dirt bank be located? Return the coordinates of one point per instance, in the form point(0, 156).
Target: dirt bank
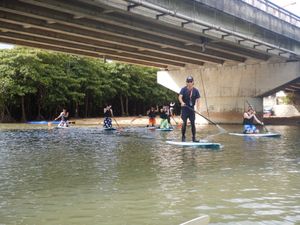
point(143, 121)
point(122, 121)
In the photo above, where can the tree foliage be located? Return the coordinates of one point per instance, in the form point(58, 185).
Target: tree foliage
point(36, 84)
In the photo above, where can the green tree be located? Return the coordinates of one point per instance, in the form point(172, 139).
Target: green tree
point(36, 84)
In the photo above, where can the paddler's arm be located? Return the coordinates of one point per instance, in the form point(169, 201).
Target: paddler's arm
point(58, 117)
point(197, 104)
point(180, 100)
point(257, 120)
point(247, 116)
point(112, 113)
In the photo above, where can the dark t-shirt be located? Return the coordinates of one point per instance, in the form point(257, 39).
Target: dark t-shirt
point(189, 96)
point(107, 113)
point(248, 121)
point(152, 114)
point(163, 115)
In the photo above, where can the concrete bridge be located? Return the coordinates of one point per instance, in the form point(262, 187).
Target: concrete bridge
point(237, 50)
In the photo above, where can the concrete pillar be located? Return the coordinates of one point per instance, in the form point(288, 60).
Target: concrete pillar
point(225, 90)
point(296, 100)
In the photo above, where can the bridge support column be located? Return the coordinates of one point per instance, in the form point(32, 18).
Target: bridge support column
point(296, 101)
point(225, 90)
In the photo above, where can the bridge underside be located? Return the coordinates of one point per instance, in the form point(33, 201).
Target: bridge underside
point(289, 87)
point(124, 31)
point(181, 37)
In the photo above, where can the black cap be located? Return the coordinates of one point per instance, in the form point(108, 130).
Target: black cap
point(189, 79)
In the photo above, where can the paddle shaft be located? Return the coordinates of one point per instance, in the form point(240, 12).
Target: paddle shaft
point(116, 122)
point(201, 115)
point(134, 119)
point(205, 118)
point(174, 120)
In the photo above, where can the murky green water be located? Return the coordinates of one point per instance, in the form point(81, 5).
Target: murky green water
point(88, 176)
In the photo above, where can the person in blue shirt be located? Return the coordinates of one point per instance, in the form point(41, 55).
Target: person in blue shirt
point(189, 96)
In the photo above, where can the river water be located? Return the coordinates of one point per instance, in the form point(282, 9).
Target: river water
point(84, 175)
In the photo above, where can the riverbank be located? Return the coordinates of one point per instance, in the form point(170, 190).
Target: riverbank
point(293, 120)
point(143, 120)
point(122, 121)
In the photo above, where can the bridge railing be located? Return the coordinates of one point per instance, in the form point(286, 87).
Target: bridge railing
point(275, 10)
point(208, 27)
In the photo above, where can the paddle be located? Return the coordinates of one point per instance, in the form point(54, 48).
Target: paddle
point(117, 123)
point(218, 126)
point(263, 125)
point(174, 120)
point(51, 122)
point(134, 119)
point(177, 124)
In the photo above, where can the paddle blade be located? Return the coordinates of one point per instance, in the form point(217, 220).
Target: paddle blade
point(120, 129)
point(221, 129)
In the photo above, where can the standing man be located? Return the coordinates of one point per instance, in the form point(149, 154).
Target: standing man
point(188, 98)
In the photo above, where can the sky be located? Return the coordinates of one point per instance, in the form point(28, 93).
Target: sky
point(5, 46)
point(290, 5)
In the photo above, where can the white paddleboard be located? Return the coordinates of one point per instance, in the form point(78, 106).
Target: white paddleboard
point(61, 127)
point(152, 128)
point(195, 144)
point(257, 135)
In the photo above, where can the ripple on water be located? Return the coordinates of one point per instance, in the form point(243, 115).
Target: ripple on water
point(256, 205)
point(269, 212)
point(239, 200)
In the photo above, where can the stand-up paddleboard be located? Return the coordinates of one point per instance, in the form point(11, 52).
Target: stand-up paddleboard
point(109, 129)
point(269, 134)
point(159, 129)
point(202, 220)
point(42, 122)
point(164, 129)
point(61, 127)
point(151, 128)
point(195, 144)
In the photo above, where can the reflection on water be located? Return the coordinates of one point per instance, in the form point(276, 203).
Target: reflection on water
point(85, 175)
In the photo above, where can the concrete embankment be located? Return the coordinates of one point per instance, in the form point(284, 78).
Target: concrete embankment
point(294, 120)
